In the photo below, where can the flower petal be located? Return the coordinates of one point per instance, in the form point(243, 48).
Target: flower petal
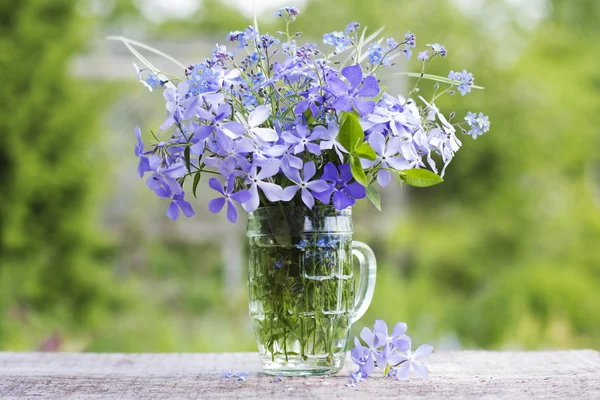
point(318, 185)
point(258, 116)
point(423, 351)
point(216, 205)
point(309, 171)
point(384, 177)
point(363, 107)
point(242, 196)
point(399, 329)
point(289, 192)
point(231, 212)
point(420, 369)
point(342, 104)
point(369, 88)
point(367, 335)
point(186, 207)
point(403, 371)
point(307, 198)
point(354, 74)
point(173, 211)
point(381, 327)
point(356, 190)
point(216, 184)
point(252, 204)
point(272, 191)
point(377, 142)
point(266, 134)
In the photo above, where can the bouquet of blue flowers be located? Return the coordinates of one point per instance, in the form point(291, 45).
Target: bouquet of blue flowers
point(275, 122)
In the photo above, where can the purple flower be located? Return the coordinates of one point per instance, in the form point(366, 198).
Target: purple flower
point(278, 378)
point(175, 104)
point(303, 183)
point(256, 179)
point(348, 95)
point(312, 98)
point(255, 119)
point(398, 340)
point(146, 164)
point(216, 205)
point(301, 138)
point(411, 359)
point(344, 193)
point(387, 155)
point(163, 186)
point(463, 80)
point(423, 55)
point(232, 154)
point(177, 203)
point(216, 123)
point(364, 356)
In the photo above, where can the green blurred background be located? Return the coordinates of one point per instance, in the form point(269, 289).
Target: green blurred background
point(503, 255)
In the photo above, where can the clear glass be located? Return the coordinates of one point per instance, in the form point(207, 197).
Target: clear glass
point(302, 287)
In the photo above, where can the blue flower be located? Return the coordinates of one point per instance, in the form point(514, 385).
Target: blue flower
point(339, 40)
point(267, 41)
point(410, 41)
point(391, 43)
point(479, 124)
point(376, 53)
point(287, 12)
point(463, 80)
point(438, 49)
point(423, 55)
point(243, 37)
point(351, 28)
point(153, 80)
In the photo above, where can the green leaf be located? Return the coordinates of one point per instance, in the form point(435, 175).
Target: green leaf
point(373, 195)
point(186, 155)
point(196, 181)
point(351, 133)
point(420, 177)
point(366, 151)
point(357, 171)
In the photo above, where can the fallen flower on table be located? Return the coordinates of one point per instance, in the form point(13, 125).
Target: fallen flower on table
point(391, 352)
point(241, 376)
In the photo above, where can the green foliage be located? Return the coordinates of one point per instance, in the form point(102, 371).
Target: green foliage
point(420, 177)
point(352, 137)
point(51, 261)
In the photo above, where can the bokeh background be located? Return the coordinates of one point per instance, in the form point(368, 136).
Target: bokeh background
point(504, 255)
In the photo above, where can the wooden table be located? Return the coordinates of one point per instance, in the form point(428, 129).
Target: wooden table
point(454, 374)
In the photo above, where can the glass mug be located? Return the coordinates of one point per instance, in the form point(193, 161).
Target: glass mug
point(302, 295)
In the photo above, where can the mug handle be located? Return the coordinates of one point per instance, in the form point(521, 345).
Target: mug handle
point(366, 283)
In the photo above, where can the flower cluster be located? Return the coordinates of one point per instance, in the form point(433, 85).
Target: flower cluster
point(273, 121)
point(391, 351)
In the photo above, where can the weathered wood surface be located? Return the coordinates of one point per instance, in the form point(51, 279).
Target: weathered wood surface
point(461, 374)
